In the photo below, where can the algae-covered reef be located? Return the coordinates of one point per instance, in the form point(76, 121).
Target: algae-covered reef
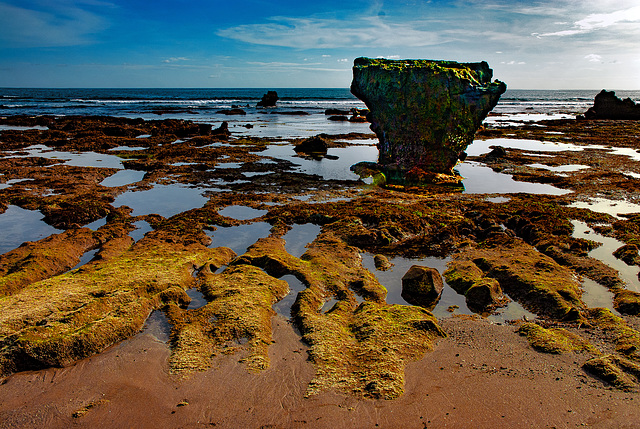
point(520, 248)
point(424, 113)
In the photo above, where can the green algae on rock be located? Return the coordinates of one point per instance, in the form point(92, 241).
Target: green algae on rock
point(425, 113)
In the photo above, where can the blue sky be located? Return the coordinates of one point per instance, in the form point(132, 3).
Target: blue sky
point(559, 44)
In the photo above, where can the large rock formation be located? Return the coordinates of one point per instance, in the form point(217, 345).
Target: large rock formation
point(607, 106)
point(425, 113)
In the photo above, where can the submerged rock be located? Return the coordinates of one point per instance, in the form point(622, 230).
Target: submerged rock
point(425, 113)
point(607, 106)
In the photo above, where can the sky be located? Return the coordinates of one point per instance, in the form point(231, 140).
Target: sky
point(546, 44)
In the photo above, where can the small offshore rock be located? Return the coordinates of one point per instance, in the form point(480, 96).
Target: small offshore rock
point(382, 263)
point(336, 112)
point(607, 105)
point(268, 100)
point(422, 286)
point(232, 112)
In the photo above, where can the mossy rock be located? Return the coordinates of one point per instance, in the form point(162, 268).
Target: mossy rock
point(620, 373)
point(422, 286)
point(627, 302)
point(462, 274)
point(553, 340)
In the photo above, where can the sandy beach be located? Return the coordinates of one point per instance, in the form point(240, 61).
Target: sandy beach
point(483, 376)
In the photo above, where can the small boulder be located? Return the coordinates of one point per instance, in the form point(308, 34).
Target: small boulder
point(382, 263)
point(422, 286)
point(628, 253)
point(313, 145)
point(269, 99)
point(485, 293)
point(627, 302)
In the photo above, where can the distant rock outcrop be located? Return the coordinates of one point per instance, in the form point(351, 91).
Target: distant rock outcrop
point(607, 106)
point(269, 99)
point(425, 113)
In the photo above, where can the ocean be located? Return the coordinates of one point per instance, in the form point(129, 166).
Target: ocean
point(204, 105)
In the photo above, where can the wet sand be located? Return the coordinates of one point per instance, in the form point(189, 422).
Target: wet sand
point(483, 376)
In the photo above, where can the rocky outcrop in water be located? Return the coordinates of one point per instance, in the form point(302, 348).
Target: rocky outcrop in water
point(425, 113)
point(607, 106)
point(268, 100)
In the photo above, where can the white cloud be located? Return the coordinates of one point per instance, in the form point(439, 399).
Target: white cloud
point(312, 33)
point(175, 59)
point(597, 21)
point(343, 60)
point(594, 58)
point(59, 25)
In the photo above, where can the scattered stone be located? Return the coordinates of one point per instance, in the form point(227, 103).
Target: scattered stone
point(422, 286)
point(338, 118)
point(607, 105)
point(269, 99)
point(424, 112)
point(382, 263)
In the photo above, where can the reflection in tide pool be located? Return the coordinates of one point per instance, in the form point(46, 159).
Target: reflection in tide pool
point(283, 307)
point(604, 253)
point(298, 237)
point(18, 225)
point(239, 238)
point(392, 281)
point(328, 169)
point(197, 299)
point(76, 159)
point(603, 205)
point(142, 227)
point(165, 200)
point(481, 147)
point(123, 177)
point(595, 295)
point(241, 212)
point(479, 179)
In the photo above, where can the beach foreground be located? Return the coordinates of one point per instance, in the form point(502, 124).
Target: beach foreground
point(208, 234)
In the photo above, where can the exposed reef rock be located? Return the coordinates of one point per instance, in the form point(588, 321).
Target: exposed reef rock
point(422, 286)
point(269, 99)
point(425, 113)
point(607, 106)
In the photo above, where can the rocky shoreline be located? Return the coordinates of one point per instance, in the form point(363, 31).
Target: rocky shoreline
point(360, 361)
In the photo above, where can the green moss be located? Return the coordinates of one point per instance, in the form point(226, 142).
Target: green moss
point(616, 371)
point(625, 338)
point(553, 340)
point(68, 317)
